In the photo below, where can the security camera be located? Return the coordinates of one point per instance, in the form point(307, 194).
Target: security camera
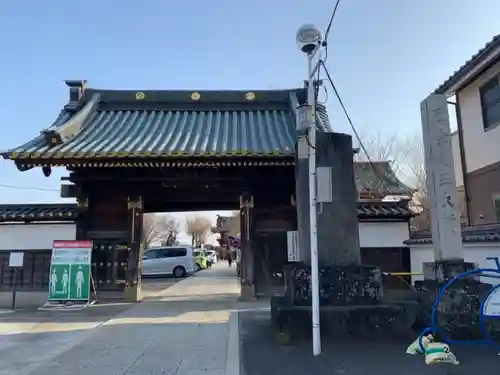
point(308, 37)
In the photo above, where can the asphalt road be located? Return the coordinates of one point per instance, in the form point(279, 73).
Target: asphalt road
point(262, 355)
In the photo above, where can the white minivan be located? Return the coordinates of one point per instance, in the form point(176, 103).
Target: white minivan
point(178, 261)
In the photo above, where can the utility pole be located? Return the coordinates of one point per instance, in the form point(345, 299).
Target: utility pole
point(309, 40)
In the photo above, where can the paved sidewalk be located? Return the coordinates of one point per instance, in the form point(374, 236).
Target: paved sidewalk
point(182, 330)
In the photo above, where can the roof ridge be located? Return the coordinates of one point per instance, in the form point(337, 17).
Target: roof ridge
point(468, 65)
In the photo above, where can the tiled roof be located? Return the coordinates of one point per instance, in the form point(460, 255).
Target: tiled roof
point(366, 210)
point(37, 212)
point(172, 124)
point(384, 210)
point(469, 65)
point(482, 233)
point(69, 211)
point(379, 176)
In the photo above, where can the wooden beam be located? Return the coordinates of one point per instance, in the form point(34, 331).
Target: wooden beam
point(152, 206)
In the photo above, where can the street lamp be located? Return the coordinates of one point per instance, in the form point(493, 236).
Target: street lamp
point(309, 40)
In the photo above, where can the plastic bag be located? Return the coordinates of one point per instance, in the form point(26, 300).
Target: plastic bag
point(437, 352)
point(414, 348)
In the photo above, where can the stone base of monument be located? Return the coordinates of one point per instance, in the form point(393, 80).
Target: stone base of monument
point(351, 305)
point(459, 309)
point(247, 292)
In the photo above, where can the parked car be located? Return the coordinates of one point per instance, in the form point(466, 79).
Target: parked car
point(178, 261)
point(211, 256)
point(201, 259)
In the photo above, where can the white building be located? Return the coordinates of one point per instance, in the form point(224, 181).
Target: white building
point(475, 87)
point(31, 228)
point(476, 151)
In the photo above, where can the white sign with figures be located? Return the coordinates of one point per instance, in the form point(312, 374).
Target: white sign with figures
point(16, 259)
point(492, 305)
point(70, 274)
point(292, 241)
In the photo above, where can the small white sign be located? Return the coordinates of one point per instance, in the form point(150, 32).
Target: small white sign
point(492, 305)
point(16, 259)
point(292, 240)
point(302, 148)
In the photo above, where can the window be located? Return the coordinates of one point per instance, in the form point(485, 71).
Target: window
point(172, 253)
point(496, 203)
point(490, 102)
point(150, 254)
point(179, 252)
point(166, 253)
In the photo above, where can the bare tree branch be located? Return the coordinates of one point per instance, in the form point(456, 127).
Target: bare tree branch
point(413, 171)
point(407, 160)
point(159, 228)
point(198, 228)
point(380, 148)
point(414, 161)
point(149, 232)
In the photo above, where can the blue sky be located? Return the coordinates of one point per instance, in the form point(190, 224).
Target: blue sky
point(385, 57)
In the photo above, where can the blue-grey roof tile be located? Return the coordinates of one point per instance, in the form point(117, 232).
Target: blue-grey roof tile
point(112, 133)
point(38, 212)
point(122, 130)
point(378, 176)
point(475, 59)
point(479, 233)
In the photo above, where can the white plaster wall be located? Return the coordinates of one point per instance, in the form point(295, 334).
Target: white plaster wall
point(418, 255)
point(388, 234)
point(481, 147)
point(34, 236)
point(41, 236)
point(457, 162)
point(473, 252)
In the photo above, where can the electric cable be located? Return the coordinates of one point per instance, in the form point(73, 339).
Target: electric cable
point(358, 138)
point(327, 32)
point(25, 188)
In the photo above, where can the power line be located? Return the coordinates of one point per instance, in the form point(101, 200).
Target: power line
point(322, 63)
point(7, 186)
point(345, 110)
point(25, 188)
point(327, 32)
point(361, 145)
point(331, 20)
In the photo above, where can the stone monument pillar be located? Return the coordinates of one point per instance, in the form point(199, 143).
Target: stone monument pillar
point(343, 280)
point(338, 235)
point(458, 312)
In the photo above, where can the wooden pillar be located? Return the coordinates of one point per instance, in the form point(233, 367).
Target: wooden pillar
point(82, 222)
point(247, 255)
point(133, 282)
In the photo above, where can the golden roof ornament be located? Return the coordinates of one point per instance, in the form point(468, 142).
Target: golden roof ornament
point(195, 96)
point(140, 95)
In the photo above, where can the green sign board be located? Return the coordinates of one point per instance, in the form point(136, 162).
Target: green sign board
point(69, 278)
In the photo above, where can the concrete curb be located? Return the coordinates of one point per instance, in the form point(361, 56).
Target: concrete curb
point(233, 346)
